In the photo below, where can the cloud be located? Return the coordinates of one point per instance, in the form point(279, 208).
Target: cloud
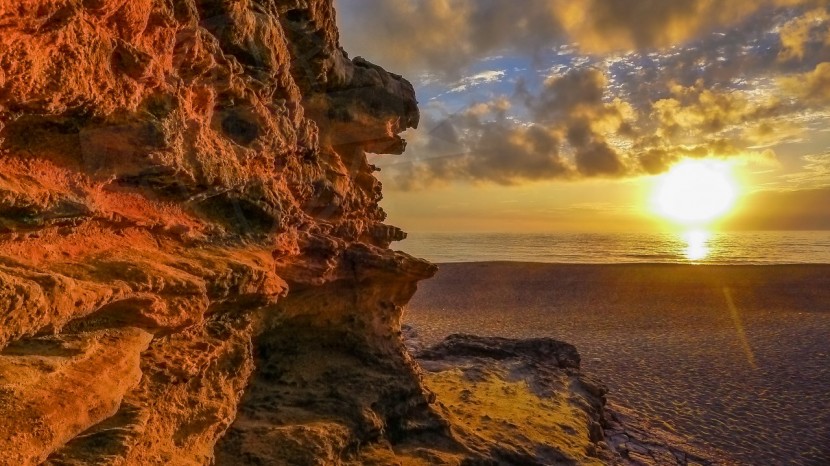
point(771, 132)
point(801, 31)
point(479, 78)
point(577, 130)
point(566, 140)
point(483, 144)
point(444, 35)
point(695, 110)
point(579, 92)
point(812, 86)
point(480, 144)
point(574, 104)
point(816, 172)
point(615, 89)
point(448, 35)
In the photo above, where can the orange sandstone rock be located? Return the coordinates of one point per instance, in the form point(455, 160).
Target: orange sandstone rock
point(179, 182)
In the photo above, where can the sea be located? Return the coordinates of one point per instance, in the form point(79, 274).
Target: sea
point(686, 247)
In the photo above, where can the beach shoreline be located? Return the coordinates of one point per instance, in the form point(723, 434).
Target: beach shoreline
point(734, 356)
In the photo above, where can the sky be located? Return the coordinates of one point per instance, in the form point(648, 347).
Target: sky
point(562, 115)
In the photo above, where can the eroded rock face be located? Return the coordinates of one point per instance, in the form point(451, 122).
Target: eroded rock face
point(187, 217)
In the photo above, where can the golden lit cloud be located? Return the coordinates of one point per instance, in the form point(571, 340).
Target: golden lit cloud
point(444, 36)
point(812, 86)
point(770, 132)
point(816, 172)
point(698, 109)
point(796, 34)
point(609, 25)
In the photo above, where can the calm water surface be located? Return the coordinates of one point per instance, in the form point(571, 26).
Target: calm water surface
point(695, 246)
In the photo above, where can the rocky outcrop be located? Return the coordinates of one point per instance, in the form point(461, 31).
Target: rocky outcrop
point(519, 401)
point(187, 218)
point(527, 402)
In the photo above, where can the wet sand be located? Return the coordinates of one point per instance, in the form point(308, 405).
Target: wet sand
point(735, 357)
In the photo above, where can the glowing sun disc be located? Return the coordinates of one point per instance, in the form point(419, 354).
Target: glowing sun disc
point(696, 191)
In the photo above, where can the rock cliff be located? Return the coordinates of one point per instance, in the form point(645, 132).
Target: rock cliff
point(194, 268)
point(189, 228)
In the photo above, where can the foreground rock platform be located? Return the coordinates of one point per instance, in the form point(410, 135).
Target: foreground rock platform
point(527, 402)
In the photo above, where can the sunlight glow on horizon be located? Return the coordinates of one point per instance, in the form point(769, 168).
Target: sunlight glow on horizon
point(697, 244)
point(696, 192)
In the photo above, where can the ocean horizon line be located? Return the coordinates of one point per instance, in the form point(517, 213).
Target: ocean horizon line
point(635, 264)
point(693, 247)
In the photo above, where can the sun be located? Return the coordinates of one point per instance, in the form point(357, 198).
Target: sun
point(696, 192)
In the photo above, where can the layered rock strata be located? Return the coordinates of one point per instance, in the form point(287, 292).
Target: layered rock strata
point(187, 216)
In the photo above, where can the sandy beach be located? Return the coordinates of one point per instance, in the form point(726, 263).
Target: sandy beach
point(735, 357)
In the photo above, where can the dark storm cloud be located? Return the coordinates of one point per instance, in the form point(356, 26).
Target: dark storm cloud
point(574, 104)
point(579, 91)
point(481, 144)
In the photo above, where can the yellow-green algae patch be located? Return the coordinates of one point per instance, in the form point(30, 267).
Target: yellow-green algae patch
point(492, 410)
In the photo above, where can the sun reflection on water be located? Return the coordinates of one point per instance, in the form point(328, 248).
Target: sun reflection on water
point(697, 244)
